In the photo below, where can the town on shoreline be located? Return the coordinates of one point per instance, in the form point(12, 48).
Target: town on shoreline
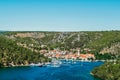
point(73, 54)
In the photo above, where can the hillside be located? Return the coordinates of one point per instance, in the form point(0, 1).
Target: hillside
point(108, 71)
point(13, 55)
point(98, 41)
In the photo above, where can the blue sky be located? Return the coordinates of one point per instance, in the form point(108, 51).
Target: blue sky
point(59, 15)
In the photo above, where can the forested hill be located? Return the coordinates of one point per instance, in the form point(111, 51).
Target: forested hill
point(13, 55)
point(108, 71)
point(97, 41)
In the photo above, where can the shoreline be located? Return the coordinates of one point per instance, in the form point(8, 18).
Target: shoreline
point(42, 64)
point(95, 76)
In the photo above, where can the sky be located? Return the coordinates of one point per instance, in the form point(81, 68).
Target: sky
point(59, 15)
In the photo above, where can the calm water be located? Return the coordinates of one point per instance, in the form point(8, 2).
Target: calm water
point(66, 71)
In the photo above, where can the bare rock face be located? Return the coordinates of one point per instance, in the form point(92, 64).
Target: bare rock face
point(113, 49)
point(33, 35)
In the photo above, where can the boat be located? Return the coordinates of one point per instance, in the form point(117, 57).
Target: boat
point(55, 63)
point(39, 64)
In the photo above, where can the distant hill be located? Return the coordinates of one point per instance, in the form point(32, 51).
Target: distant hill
point(2, 31)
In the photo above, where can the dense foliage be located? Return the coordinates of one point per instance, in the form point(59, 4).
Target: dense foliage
point(108, 71)
point(11, 53)
point(103, 39)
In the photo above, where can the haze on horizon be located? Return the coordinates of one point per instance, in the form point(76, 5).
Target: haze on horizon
point(59, 15)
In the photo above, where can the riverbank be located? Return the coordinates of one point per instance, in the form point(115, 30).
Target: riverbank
point(40, 64)
point(107, 71)
point(95, 76)
point(25, 65)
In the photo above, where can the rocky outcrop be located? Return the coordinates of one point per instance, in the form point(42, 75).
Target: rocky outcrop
point(32, 35)
point(113, 49)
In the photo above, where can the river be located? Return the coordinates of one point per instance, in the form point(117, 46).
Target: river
point(68, 70)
